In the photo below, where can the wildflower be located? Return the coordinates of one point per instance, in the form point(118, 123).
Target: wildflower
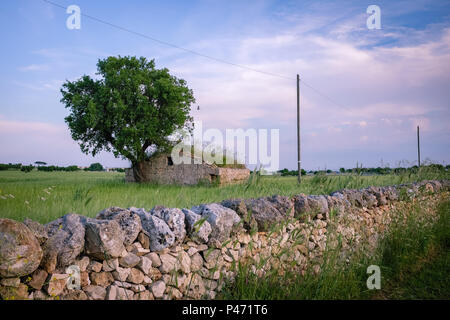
point(26, 202)
point(45, 190)
point(11, 196)
point(43, 199)
point(3, 197)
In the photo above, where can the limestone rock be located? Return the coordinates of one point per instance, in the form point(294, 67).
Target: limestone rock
point(75, 295)
point(145, 264)
point(20, 252)
point(238, 205)
point(283, 204)
point(198, 231)
point(157, 230)
point(129, 261)
point(196, 262)
point(264, 212)
point(121, 274)
point(158, 289)
point(38, 230)
point(222, 220)
point(318, 204)
point(174, 218)
point(95, 266)
point(110, 265)
point(156, 261)
point(102, 279)
point(196, 288)
point(95, 292)
point(84, 279)
point(82, 263)
point(38, 278)
point(65, 242)
point(129, 222)
point(136, 276)
point(10, 282)
point(104, 239)
point(14, 293)
point(144, 240)
point(168, 263)
point(301, 206)
point(56, 284)
point(185, 262)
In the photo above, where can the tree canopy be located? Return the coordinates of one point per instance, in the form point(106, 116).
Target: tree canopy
point(130, 107)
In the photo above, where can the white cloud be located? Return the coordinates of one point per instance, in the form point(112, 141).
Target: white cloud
point(34, 67)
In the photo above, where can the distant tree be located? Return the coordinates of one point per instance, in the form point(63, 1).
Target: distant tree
point(130, 109)
point(96, 167)
point(27, 168)
point(342, 170)
point(40, 163)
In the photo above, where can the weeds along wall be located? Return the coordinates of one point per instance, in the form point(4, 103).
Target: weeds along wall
point(171, 253)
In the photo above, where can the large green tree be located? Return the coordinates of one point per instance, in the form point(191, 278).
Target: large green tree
point(131, 109)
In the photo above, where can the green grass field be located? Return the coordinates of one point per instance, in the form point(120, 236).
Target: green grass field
point(45, 196)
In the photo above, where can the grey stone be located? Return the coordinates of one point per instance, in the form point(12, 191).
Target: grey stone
point(95, 292)
point(20, 252)
point(157, 230)
point(222, 220)
point(156, 261)
point(39, 230)
point(158, 289)
point(38, 278)
point(174, 218)
point(136, 276)
point(283, 204)
point(196, 262)
point(110, 265)
point(198, 232)
point(121, 274)
point(128, 221)
point(145, 264)
point(129, 261)
point(318, 204)
point(168, 263)
point(264, 212)
point(104, 239)
point(238, 205)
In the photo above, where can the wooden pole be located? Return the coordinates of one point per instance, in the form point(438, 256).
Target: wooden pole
point(298, 131)
point(418, 146)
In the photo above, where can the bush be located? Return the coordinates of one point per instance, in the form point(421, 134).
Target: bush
point(96, 167)
point(27, 168)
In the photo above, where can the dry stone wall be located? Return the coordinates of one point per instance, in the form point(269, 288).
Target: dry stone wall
point(171, 253)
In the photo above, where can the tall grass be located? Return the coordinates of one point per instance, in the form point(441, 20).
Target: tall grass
point(414, 258)
point(45, 196)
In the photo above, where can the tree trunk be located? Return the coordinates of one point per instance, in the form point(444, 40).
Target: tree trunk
point(138, 171)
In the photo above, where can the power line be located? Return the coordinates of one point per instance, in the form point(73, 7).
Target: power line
point(172, 45)
point(198, 53)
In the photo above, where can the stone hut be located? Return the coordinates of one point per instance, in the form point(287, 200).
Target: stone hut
point(161, 169)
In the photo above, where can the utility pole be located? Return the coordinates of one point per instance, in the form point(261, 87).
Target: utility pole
point(418, 146)
point(298, 131)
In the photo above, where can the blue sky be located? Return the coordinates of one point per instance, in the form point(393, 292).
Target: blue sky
point(388, 80)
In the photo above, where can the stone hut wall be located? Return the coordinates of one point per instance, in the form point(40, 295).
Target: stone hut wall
point(159, 170)
point(164, 254)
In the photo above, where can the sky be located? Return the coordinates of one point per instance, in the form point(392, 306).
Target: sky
point(363, 91)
